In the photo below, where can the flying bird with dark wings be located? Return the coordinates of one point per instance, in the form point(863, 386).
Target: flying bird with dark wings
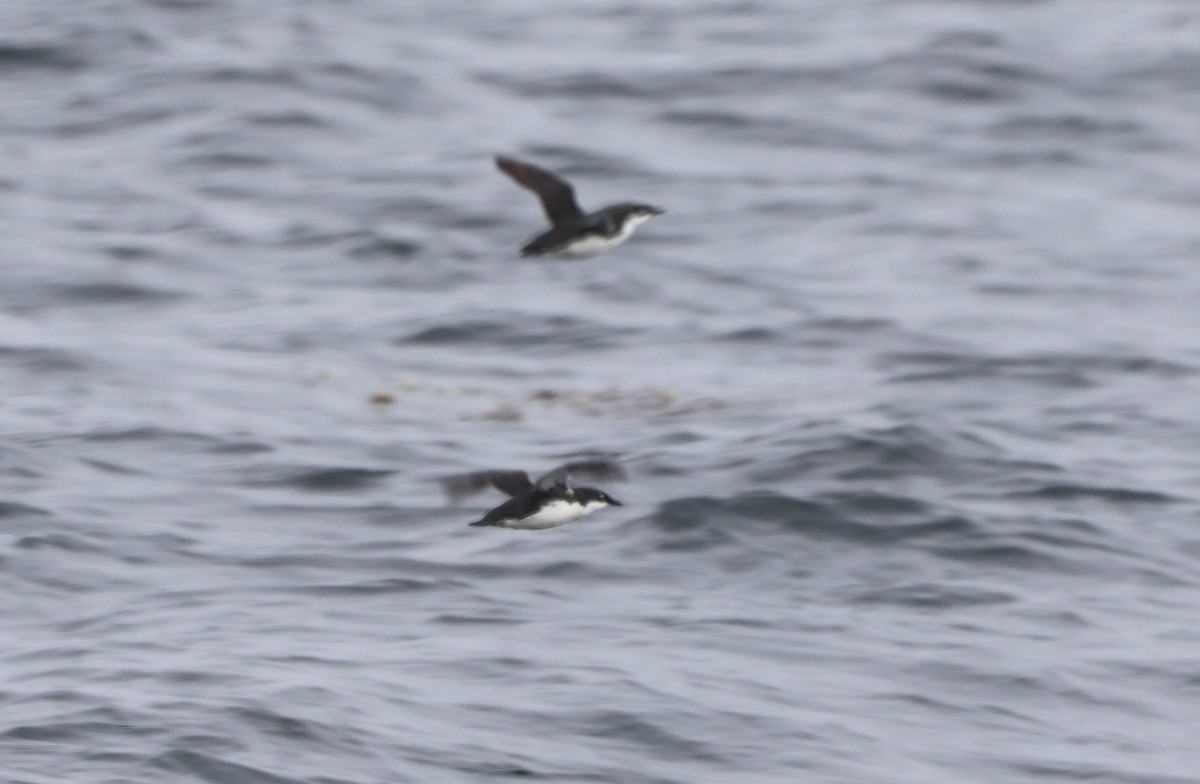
point(549, 501)
point(573, 233)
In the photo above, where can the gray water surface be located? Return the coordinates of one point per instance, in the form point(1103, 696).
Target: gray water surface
point(907, 382)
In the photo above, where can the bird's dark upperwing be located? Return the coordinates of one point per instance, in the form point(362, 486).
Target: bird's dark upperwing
point(597, 470)
point(555, 193)
point(507, 482)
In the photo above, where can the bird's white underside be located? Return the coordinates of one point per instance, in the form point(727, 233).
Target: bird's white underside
point(594, 244)
point(555, 513)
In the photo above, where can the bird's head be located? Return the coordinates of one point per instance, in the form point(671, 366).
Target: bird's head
point(643, 211)
point(591, 497)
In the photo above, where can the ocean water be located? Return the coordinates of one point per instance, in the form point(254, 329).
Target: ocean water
point(907, 383)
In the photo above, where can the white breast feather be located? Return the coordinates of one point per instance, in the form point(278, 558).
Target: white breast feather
point(594, 244)
point(552, 514)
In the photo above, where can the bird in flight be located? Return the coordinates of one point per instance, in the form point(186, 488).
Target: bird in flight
point(573, 233)
point(550, 500)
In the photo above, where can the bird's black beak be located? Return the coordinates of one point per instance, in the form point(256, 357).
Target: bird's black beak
point(657, 211)
point(614, 502)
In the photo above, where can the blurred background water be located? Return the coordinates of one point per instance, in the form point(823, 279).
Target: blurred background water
point(907, 383)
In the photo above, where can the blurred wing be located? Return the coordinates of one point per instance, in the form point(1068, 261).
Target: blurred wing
point(594, 470)
point(507, 482)
point(555, 193)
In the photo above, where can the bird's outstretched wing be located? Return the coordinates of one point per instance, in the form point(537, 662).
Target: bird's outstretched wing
point(507, 482)
point(596, 470)
point(555, 193)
